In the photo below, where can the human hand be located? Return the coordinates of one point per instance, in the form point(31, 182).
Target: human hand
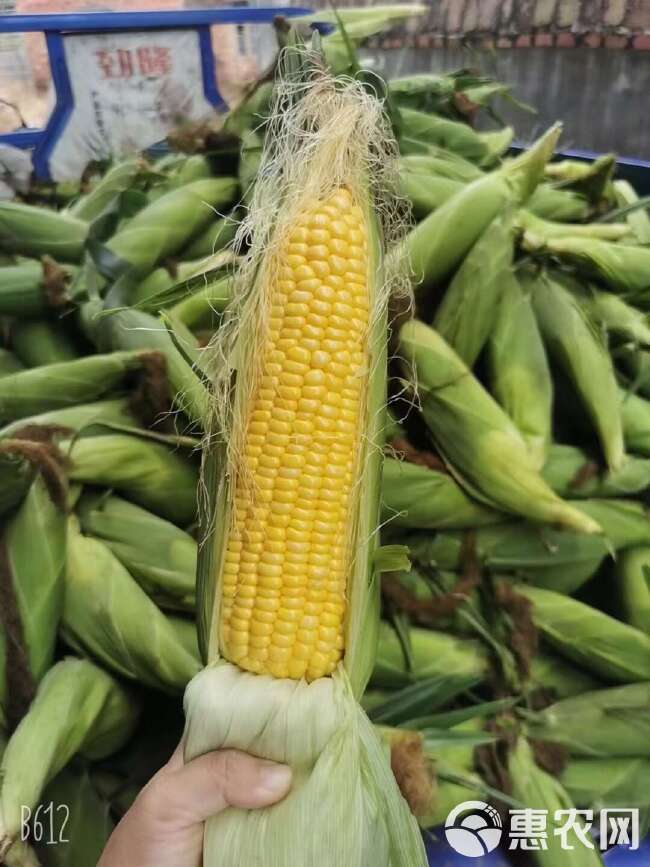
point(164, 827)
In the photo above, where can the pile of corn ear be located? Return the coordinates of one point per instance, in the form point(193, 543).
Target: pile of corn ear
point(513, 658)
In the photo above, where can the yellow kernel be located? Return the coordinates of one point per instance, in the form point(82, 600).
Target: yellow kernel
point(320, 308)
point(321, 268)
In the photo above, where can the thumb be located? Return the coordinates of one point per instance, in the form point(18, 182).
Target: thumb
point(224, 778)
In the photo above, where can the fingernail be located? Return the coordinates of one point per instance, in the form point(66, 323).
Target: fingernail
point(274, 779)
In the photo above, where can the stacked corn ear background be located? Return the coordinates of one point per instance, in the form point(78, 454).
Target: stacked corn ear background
point(513, 661)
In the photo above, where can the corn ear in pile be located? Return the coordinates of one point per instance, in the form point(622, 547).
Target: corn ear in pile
point(110, 411)
point(536, 789)
point(9, 363)
point(104, 613)
point(33, 287)
point(618, 318)
point(78, 709)
point(623, 267)
point(638, 219)
point(635, 415)
point(609, 783)
point(160, 556)
point(519, 372)
point(600, 643)
point(572, 473)
point(575, 344)
point(288, 574)
point(476, 438)
point(605, 723)
point(107, 191)
point(633, 580)
point(37, 342)
point(467, 313)
point(36, 231)
point(147, 472)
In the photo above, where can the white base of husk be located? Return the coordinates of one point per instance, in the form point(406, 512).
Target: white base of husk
point(344, 808)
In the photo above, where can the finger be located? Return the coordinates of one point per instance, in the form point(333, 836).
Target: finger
point(176, 760)
point(210, 783)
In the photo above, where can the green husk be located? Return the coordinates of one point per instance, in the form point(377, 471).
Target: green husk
point(605, 723)
point(78, 709)
point(426, 193)
point(535, 789)
point(478, 441)
point(148, 473)
point(217, 236)
point(37, 232)
point(442, 164)
point(623, 267)
point(153, 284)
point(430, 654)
point(104, 195)
point(130, 330)
point(201, 307)
point(17, 472)
point(64, 384)
point(519, 372)
point(33, 287)
point(635, 413)
point(9, 363)
point(557, 560)
point(608, 783)
point(571, 473)
point(633, 581)
point(108, 616)
point(433, 130)
point(417, 497)
point(441, 241)
point(160, 556)
point(34, 549)
point(578, 349)
point(616, 316)
point(164, 227)
point(553, 674)
point(605, 646)
point(89, 823)
point(539, 230)
point(497, 142)
point(37, 342)
point(638, 220)
point(76, 418)
point(565, 206)
point(466, 316)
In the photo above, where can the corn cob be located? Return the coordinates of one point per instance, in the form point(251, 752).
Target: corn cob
point(635, 413)
point(165, 226)
point(571, 473)
point(417, 497)
point(623, 267)
point(31, 288)
point(632, 573)
point(106, 193)
point(160, 557)
point(476, 438)
point(469, 308)
point(78, 709)
point(38, 232)
point(103, 615)
point(605, 723)
point(519, 368)
point(603, 645)
point(55, 386)
point(288, 608)
point(439, 243)
point(535, 789)
point(562, 205)
point(33, 546)
point(638, 220)
point(571, 339)
point(37, 342)
point(146, 472)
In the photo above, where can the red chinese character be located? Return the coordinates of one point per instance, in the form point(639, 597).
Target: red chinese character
point(105, 62)
point(154, 61)
point(125, 62)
